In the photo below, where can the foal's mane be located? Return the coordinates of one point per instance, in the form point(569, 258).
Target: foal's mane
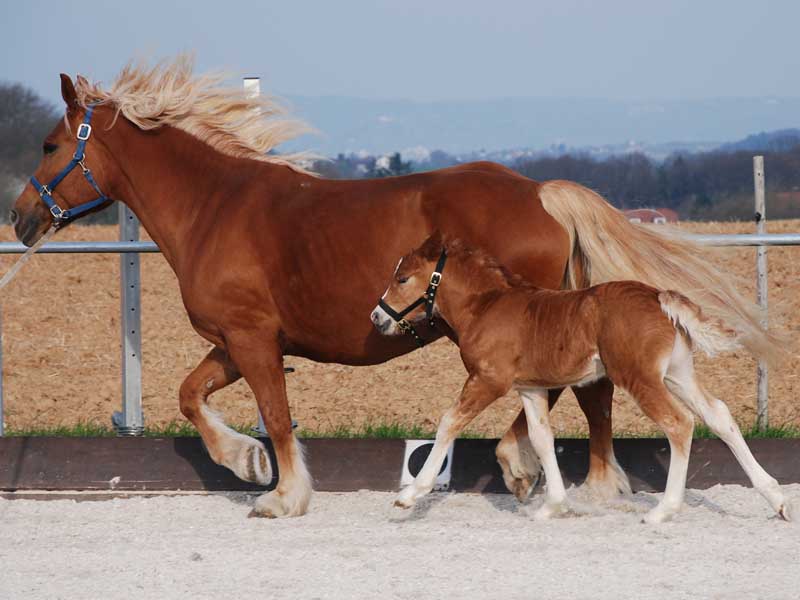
point(481, 261)
point(225, 118)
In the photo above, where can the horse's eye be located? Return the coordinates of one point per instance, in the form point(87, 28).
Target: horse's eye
point(402, 279)
point(49, 148)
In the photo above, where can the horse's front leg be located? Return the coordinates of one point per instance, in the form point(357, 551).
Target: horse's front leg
point(242, 454)
point(259, 358)
point(537, 412)
point(476, 395)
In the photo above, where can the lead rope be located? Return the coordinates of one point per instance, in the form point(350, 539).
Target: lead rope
point(15, 269)
point(26, 257)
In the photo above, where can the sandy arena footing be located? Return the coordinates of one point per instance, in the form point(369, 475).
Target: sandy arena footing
point(724, 544)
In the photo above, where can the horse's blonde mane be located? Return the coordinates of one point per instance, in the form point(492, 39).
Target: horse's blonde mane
point(225, 118)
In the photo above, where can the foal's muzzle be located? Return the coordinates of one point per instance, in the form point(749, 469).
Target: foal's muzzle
point(382, 321)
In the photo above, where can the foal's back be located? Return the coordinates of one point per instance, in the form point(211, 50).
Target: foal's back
point(574, 337)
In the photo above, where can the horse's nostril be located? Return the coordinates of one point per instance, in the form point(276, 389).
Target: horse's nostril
point(13, 216)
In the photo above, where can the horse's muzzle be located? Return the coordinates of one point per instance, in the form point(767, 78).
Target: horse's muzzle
point(382, 322)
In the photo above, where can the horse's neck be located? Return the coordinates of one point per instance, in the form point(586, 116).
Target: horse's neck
point(465, 286)
point(170, 178)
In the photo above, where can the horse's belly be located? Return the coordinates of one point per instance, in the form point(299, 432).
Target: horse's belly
point(585, 373)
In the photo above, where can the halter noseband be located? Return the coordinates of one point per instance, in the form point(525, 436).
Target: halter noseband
point(428, 299)
point(61, 216)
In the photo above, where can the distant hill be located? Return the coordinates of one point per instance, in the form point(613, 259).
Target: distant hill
point(601, 126)
point(770, 141)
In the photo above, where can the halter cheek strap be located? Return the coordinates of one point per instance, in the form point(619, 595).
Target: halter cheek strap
point(428, 299)
point(61, 216)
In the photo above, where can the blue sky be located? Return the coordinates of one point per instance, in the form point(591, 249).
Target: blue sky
point(434, 50)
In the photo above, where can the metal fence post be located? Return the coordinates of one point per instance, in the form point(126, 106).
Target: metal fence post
point(762, 402)
point(131, 420)
point(2, 412)
point(252, 87)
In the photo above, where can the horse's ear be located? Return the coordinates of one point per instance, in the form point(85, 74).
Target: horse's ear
point(432, 247)
point(68, 91)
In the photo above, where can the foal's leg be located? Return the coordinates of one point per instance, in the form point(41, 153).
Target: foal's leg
point(242, 454)
point(682, 380)
point(516, 456)
point(677, 423)
point(537, 411)
point(261, 364)
point(475, 396)
point(606, 478)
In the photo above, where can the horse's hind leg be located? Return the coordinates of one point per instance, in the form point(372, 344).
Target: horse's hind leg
point(677, 423)
point(606, 478)
point(537, 412)
point(681, 379)
point(475, 396)
point(242, 454)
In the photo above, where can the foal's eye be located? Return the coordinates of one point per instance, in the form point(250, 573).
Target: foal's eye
point(402, 279)
point(49, 148)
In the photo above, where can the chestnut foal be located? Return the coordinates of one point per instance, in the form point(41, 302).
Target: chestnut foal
point(512, 334)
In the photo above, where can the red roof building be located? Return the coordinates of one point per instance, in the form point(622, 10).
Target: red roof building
point(651, 215)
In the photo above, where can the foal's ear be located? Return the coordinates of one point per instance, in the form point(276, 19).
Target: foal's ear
point(432, 247)
point(68, 91)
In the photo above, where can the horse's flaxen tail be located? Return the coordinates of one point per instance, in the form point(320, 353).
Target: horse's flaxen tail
point(607, 247)
point(704, 333)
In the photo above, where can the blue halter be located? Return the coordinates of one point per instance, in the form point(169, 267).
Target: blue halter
point(61, 216)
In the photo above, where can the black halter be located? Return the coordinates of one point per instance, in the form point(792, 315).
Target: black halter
point(428, 299)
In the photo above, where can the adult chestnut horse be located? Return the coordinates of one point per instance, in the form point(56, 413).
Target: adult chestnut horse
point(273, 261)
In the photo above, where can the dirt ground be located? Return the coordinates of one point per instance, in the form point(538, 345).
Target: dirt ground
point(62, 353)
point(724, 544)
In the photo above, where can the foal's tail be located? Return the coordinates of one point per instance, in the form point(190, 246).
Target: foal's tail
point(607, 247)
point(704, 333)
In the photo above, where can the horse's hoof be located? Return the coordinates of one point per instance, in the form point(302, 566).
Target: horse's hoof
point(405, 499)
point(548, 511)
point(784, 513)
point(259, 469)
point(270, 505)
point(522, 488)
point(658, 515)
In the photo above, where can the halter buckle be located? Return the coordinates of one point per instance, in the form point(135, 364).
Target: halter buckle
point(56, 211)
point(436, 279)
point(403, 325)
point(84, 131)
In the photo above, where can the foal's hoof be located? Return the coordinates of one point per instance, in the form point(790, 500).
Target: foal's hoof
point(548, 511)
point(522, 488)
point(406, 498)
point(658, 515)
point(784, 512)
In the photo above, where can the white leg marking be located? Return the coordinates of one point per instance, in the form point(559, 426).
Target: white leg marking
point(293, 494)
point(242, 454)
point(537, 412)
point(683, 383)
point(520, 465)
point(424, 481)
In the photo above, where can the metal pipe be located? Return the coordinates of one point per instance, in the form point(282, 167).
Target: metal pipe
point(80, 247)
point(747, 239)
